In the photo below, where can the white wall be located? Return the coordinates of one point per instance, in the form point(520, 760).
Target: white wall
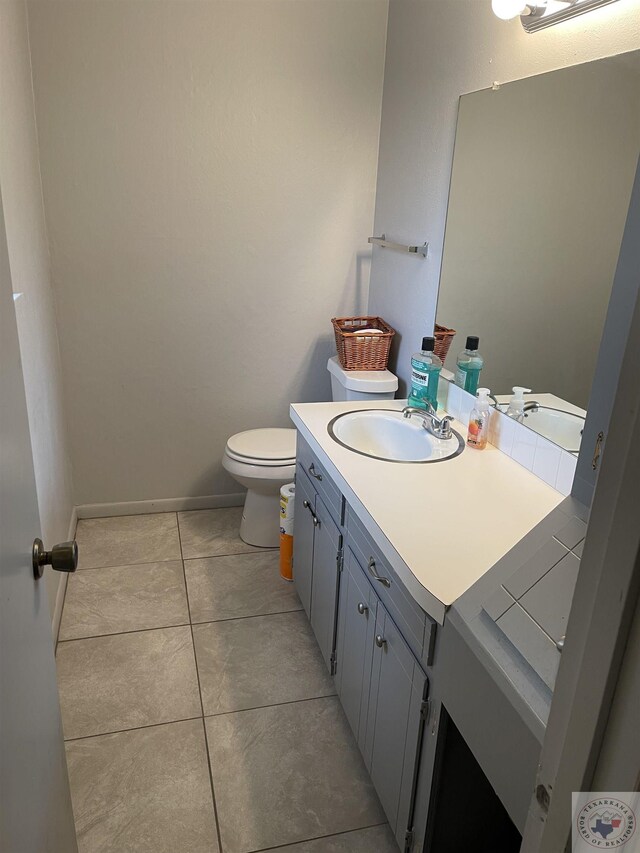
point(29, 261)
point(209, 176)
point(436, 51)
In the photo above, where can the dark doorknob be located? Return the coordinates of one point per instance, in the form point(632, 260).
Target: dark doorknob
point(62, 557)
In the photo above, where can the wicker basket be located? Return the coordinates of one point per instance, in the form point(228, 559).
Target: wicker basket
point(443, 338)
point(359, 351)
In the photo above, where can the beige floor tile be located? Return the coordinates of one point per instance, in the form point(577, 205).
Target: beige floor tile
point(127, 539)
point(212, 533)
point(143, 791)
point(286, 774)
point(127, 680)
point(263, 660)
point(124, 598)
point(374, 839)
point(236, 586)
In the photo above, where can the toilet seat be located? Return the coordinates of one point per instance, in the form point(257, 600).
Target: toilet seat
point(244, 469)
point(270, 447)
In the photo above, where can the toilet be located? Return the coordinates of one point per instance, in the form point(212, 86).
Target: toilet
point(263, 460)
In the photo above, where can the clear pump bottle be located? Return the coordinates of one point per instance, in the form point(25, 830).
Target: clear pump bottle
point(517, 402)
point(479, 420)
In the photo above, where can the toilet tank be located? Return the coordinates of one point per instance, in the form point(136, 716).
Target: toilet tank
point(360, 384)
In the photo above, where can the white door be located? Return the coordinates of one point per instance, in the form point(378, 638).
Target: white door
point(35, 805)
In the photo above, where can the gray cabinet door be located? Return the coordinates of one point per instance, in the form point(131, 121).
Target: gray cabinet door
point(354, 645)
point(327, 546)
point(303, 535)
point(394, 722)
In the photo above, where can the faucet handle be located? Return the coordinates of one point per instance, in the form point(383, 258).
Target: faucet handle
point(444, 430)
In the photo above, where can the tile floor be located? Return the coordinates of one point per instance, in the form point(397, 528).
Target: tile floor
point(198, 714)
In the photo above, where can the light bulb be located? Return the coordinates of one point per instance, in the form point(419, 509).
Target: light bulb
point(507, 9)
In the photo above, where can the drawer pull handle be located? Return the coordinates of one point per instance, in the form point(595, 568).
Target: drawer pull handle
point(316, 520)
point(362, 609)
point(372, 571)
point(380, 641)
point(312, 471)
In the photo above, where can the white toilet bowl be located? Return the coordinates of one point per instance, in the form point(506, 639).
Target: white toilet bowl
point(261, 460)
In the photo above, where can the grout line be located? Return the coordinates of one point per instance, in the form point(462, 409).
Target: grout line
point(232, 554)
point(320, 837)
point(249, 616)
point(119, 633)
point(213, 793)
point(132, 729)
point(204, 728)
point(131, 514)
point(272, 705)
point(128, 565)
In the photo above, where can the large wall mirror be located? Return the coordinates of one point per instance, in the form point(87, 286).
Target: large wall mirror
point(542, 176)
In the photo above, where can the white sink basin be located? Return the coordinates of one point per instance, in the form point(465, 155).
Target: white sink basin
point(385, 434)
point(563, 428)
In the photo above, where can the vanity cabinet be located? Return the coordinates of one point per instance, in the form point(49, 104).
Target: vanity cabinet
point(354, 645)
point(327, 553)
point(374, 638)
point(317, 554)
point(304, 528)
point(383, 691)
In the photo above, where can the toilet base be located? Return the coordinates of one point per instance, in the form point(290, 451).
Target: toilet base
point(260, 520)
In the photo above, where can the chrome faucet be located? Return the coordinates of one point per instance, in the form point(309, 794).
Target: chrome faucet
point(435, 426)
point(531, 406)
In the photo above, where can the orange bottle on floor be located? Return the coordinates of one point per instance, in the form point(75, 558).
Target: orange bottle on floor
point(287, 494)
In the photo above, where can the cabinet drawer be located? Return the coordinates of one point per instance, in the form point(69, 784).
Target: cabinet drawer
point(321, 481)
point(417, 627)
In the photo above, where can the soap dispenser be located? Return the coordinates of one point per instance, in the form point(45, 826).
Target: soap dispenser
point(516, 404)
point(479, 420)
point(425, 375)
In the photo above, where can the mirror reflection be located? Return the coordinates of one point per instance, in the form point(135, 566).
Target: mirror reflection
point(541, 181)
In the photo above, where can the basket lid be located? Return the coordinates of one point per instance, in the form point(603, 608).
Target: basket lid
point(270, 444)
point(367, 381)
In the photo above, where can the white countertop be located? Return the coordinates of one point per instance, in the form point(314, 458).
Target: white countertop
point(442, 525)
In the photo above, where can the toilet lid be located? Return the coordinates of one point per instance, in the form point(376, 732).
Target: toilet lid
point(270, 445)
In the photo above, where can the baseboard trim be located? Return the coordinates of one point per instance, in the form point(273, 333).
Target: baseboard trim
point(62, 582)
point(108, 510)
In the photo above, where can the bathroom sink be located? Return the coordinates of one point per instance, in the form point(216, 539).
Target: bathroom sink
point(385, 434)
point(563, 428)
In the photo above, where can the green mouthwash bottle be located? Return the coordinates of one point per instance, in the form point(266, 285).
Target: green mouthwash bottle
point(469, 365)
point(425, 373)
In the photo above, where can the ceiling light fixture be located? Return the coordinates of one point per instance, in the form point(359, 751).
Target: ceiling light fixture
point(543, 13)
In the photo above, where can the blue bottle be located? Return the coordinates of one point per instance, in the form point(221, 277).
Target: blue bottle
point(468, 366)
point(425, 374)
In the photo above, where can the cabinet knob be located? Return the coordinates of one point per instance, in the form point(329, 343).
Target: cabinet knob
point(380, 641)
point(362, 609)
point(560, 644)
point(313, 473)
